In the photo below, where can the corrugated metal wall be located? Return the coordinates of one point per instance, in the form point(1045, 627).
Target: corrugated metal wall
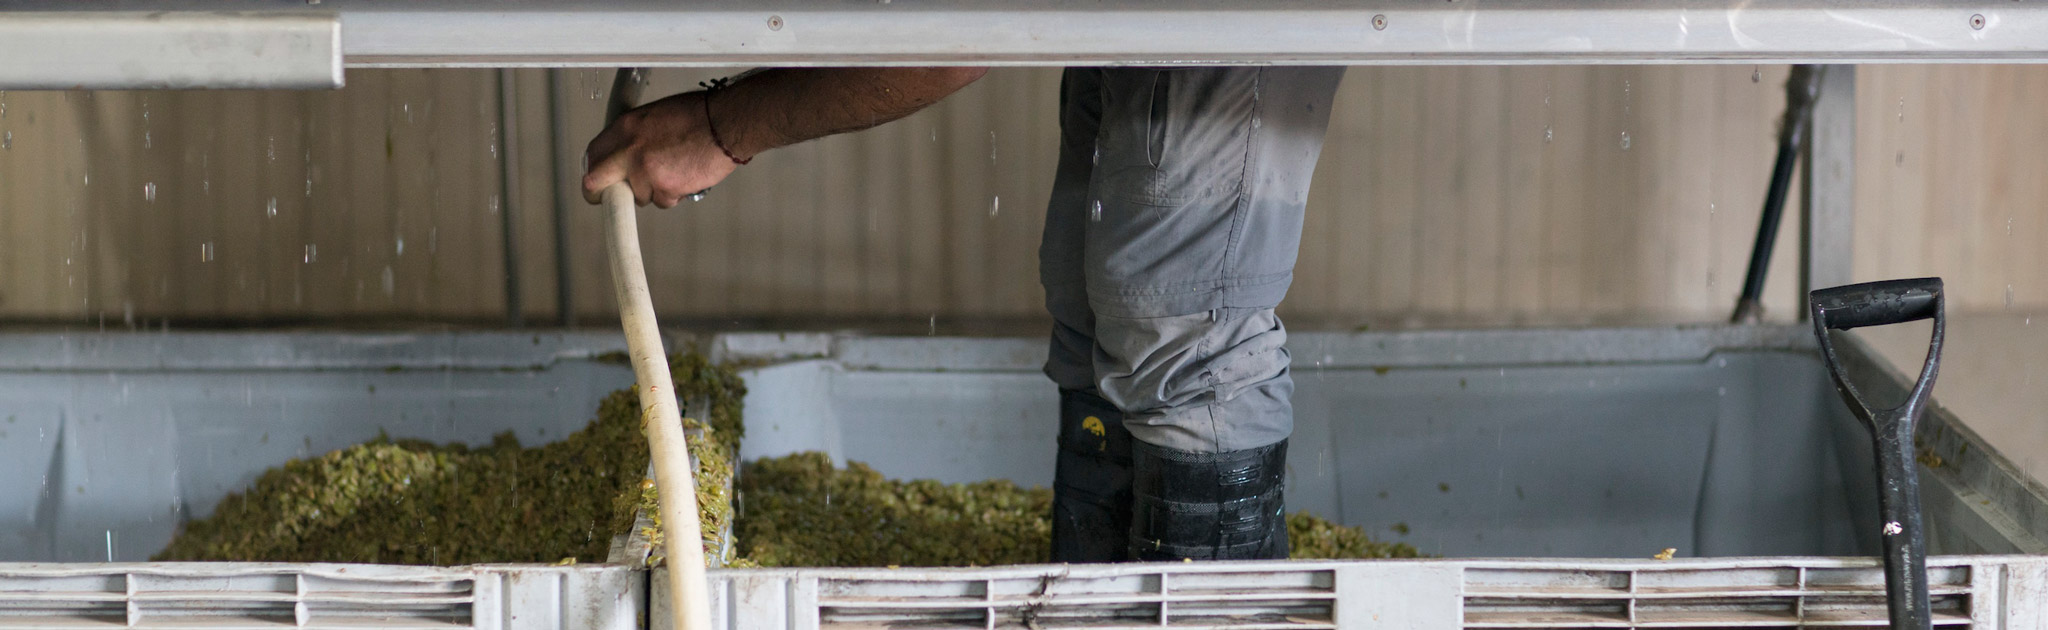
point(1446, 196)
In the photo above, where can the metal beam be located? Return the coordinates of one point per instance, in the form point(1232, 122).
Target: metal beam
point(57, 50)
point(1830, 226)
point(506, 138)
point(610, 33)
point(564, 160)
point(1067, 32)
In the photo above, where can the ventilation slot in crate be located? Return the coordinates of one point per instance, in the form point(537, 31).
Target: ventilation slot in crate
point(235, 598)
point(63, 601)
point(1677, 597)
point(1253, 600)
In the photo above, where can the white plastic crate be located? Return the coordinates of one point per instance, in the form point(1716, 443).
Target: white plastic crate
point(1579, 445)
point(70, 596)
point(2001, 592)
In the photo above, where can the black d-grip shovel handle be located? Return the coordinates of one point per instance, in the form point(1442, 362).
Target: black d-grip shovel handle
point(1877, 303)
point(1904, 539)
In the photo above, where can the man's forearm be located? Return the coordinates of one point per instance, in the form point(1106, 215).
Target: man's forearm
point(678, 145)
point(785, 106)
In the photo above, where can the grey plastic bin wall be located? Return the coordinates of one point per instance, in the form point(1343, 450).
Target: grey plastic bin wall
point(1727, 443)
point(1558, 443)
point(108, 440)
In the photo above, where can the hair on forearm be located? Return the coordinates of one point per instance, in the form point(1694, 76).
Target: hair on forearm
point(785, 106)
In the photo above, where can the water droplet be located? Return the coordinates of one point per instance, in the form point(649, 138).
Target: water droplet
point(312, 253)
point(149, 192)
point(271, 208)
point(206, 252)
point(271, 149)
point(390, 282)
point(1256, 123)
point(2008, 226)
point(1548, 133)
point(401, 246)
point(407, 109)
point(145, 139)
point(995, 204)
point(695, 196)
point(1095, 214)
point(991, 147)
point(1757, 75)
point(494, 205)
point(2008, 297)
point(1624, 141)
point(1097, 157)
point(6, 140)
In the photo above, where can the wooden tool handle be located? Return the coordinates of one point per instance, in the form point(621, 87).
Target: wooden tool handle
point(681, 532)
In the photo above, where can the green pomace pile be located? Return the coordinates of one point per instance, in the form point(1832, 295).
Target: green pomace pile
point(799, 511)
point(411, 502)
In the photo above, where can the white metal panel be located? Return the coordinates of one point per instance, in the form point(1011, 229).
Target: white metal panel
point(1060, 32)
point(58, 50)
point(1050, 32)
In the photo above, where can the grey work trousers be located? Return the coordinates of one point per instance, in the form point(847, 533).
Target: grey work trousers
point(1172, 232)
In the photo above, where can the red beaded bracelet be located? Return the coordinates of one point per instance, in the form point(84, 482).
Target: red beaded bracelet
point(711, 87)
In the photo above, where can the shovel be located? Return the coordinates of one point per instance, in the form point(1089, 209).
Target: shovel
point(1898, 498)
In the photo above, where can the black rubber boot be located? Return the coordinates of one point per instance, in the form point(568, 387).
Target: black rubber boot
point(1208, 506)
point(1091, 484)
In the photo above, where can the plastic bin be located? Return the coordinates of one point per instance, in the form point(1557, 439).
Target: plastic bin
point(1715, 441)
point(1725, 443)
point(69, 596)
point(1580, 446)
point(1988, 592)
point(108, 440)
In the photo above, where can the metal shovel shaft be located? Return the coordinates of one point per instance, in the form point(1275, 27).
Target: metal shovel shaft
point(1904, 539)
